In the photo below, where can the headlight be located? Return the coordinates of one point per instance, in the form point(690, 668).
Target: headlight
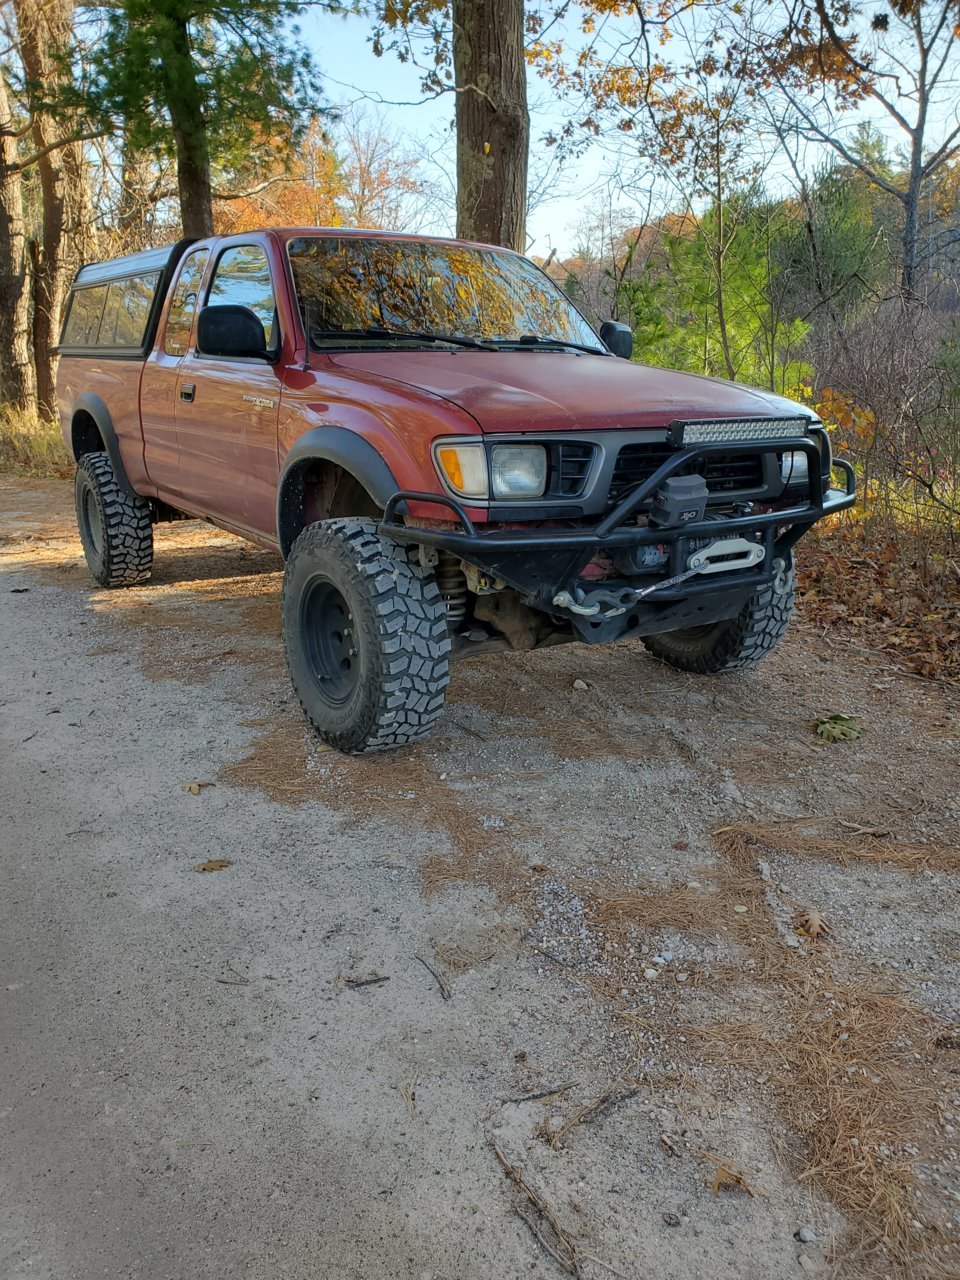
point(464, 467)
point(518, 470)
point(794, 469)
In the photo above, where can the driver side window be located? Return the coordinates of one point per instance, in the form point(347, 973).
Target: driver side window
point(176, 337)
point(242, 278)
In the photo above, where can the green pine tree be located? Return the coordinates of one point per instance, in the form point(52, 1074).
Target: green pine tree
point(208, 81)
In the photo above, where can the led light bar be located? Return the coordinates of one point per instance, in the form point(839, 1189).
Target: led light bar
point(737, 430)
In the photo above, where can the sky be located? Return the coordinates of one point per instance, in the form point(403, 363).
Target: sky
point(353, 74)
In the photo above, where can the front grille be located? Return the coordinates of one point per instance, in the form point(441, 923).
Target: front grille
point(724, 473)
point(570, 464)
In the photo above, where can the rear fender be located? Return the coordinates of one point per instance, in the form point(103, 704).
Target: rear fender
point(89, 404)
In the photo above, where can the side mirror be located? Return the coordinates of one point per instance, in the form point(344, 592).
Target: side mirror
point(231, 330)
point(617, 338)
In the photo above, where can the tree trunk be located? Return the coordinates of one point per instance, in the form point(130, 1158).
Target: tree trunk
point(719, 255)
point(911, 231)
point(184, 101)
point(910, 272)
point(911, 205)
point(45, 28)
point(16, 372)
point(493, 124)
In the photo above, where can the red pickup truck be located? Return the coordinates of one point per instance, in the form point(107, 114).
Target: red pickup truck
point(446, 454)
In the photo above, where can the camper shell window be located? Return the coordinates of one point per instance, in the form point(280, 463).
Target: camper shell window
point(114, 306)
point(112, 316)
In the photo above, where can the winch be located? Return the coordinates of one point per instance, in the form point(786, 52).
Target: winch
point(722, 556)
point(679, 500)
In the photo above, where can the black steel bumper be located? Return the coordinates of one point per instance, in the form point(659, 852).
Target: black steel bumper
point(544, 562)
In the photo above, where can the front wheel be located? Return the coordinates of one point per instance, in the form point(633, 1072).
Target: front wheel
point(366, 638)
point(734, 642)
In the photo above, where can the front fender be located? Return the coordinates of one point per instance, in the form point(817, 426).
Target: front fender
point(345, 449)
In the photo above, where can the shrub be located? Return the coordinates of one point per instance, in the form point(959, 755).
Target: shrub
point(30, 446)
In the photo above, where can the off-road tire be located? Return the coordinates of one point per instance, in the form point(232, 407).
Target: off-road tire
point(735, 642)
point(115, 525)
point(378, 680)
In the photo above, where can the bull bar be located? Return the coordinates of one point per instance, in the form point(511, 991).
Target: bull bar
point(545, 562)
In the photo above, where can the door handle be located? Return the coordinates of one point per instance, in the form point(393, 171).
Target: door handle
point(187, 391)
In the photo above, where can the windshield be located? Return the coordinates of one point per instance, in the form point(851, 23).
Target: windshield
point(418, 288)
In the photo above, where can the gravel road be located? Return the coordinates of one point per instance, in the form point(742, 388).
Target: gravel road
point(453, 1013)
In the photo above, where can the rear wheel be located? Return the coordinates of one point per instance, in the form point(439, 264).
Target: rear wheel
point(735, 642)
point(366, 638)
point(115, 526)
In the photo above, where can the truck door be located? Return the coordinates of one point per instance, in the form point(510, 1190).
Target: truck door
point(158, 382)
point(227, 407)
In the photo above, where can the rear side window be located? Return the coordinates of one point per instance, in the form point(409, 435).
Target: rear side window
point(111, 315)
point(126, 311)
point(83, 322)
point(184, 303)
point(242, 278)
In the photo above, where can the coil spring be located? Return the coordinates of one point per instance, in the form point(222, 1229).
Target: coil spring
point(453, 587)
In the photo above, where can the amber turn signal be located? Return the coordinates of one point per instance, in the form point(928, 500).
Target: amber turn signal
point(464, 468)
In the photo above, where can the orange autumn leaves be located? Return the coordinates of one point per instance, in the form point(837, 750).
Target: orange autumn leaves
point(303, 192)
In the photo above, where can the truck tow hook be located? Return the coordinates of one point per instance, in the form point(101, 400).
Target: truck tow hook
point(588, 606)
point(720, 557)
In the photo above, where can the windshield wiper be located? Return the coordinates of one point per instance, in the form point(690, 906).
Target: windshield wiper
point(376, 331)
point(534, 340)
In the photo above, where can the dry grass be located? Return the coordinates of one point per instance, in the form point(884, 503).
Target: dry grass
point(31, 447)
point(679, 908)
point(461, 954)
point(607, 1100)
point(492, 867)
point(580, 727)
point(289, 763)
point(277, 762)
point(855, 1072)
point(730, 905)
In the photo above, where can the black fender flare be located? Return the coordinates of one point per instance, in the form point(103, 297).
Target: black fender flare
point(89, 403)
point(338, 445)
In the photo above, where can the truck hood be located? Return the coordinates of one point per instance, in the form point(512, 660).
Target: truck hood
point(524, 391)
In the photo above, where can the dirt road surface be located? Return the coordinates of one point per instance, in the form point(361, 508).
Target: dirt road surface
point(526, 1000)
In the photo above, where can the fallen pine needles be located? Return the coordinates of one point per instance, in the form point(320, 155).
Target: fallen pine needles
point(806, 838)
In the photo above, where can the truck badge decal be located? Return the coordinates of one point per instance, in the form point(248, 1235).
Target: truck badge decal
point(263, 402)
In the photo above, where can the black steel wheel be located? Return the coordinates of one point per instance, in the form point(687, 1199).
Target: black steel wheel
point(326, 627)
